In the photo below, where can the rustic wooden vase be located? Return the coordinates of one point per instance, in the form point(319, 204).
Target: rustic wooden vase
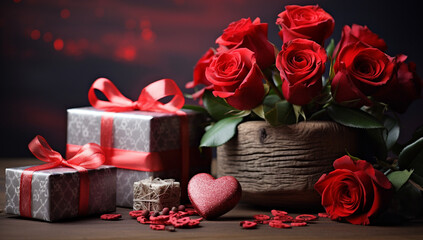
point(278, 166)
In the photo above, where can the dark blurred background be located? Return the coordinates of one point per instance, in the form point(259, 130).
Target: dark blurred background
point(52, 50)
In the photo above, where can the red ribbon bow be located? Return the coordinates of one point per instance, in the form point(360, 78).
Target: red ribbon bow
point(147, 101)
point(89, 156)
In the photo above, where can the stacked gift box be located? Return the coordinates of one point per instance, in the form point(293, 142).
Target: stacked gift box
point(142, 140)
point(140, 132)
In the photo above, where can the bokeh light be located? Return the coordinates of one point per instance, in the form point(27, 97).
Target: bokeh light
point(65, 13)
point(35, 34)
point(58, 44)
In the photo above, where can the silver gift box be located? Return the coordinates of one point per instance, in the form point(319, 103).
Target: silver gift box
point(139, 131)
point(55, 192)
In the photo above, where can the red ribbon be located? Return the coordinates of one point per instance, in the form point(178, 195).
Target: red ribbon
point(89, 156)
point(147, 101)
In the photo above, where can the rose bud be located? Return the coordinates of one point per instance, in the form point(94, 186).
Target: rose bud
point(403, 88)
point(358, 33)
point(199, 76)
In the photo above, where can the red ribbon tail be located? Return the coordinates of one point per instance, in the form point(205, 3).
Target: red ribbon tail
point(84, 192)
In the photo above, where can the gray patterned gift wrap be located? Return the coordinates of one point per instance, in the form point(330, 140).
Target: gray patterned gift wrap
point(55, 192)
point(156, 194)
point(139, 131)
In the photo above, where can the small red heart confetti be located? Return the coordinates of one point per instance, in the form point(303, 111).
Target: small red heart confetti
point(212, 197)
point(143, 220)
point(298, 224)
point(247, 224)
point(277, 213)
point(181, 222)
point(194, 223)
point(306, 217)
point(110, 217)
point(261, 217)
point(157, 227)
point(278, 224)
point(284, 218)
point(162, 218)
point(137, 213)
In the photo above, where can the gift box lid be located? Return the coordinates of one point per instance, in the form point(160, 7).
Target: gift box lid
point(135, 130)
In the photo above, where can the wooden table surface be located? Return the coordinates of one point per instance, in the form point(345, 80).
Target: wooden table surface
point(226, 227)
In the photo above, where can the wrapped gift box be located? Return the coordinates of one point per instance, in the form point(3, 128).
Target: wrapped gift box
point(141, 132)
point(55, 192)
point(156, 194)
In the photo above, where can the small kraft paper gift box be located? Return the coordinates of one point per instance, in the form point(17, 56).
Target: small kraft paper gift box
point(156, 194)
point(143, 138)
point(61, 189)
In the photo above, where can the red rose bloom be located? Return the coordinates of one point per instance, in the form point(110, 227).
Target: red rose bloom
point(251, 35)
point(199, 76)
point(301, 63)
point(360, 71)
point(358, 33)
point(354, 191)
point(308, 22)
point(237, 78)
point(403, 88)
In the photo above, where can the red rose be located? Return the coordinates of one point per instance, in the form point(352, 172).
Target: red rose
point(301, 63)
point(251, 35)
point(237, 78)
point(360, 71)
point(199, 76)
point(403, 88)
point(308, 22)
point(360, 34)
point(354, 191)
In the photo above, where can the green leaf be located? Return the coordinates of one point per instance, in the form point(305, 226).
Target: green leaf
point(330, 48)
point(217, 107)
point(393, 131)
point(277, 111)
point(409, 200)
point(189, 96)
point(353, 117)
point(298, 110)
point(354, 158)
point(195, 108)
point(399, 178)
point(418, 133)
point(331, 72)
point(221, 132)
point(319, 115)
point(412, 157)
point(259, 111)
point(277, 79)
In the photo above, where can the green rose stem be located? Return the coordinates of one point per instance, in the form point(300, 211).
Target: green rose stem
point(267, 73)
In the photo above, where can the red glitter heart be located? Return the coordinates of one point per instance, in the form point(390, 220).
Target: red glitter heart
point(213, 197)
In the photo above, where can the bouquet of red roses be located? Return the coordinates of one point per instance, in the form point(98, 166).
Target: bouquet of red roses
point(354, 83)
